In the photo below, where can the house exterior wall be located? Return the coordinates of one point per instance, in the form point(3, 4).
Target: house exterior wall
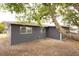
point(52, 33)
point(16, 37)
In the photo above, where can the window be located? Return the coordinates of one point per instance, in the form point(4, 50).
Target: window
point(25, 30)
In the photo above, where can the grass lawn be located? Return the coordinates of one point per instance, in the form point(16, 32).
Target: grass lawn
point(43, 47)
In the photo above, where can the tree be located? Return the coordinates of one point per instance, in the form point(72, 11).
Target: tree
point(70, 15)
point(48, 9)
point(59, 28)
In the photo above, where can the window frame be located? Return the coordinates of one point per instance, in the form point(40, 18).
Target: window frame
point(26, 30)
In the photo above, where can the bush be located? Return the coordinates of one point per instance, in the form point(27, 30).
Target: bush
point(2, 27)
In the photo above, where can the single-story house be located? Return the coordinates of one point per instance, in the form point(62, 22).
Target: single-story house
point(24, 33)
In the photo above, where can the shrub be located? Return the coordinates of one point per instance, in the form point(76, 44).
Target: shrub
point(2, 27)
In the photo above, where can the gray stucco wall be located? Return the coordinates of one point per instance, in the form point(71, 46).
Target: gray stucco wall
point(16, 37)
point(52, 33)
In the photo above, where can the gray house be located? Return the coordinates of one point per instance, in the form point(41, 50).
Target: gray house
point(24, 33)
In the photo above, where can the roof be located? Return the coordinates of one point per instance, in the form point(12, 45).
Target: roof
point(27, 24)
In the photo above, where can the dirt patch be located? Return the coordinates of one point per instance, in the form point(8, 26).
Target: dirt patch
point(42, 47)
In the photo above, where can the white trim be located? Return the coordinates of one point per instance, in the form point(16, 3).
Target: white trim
point(9, 34)
point(61, 37)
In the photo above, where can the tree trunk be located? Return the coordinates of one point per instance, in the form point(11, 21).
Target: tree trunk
point(67, 34)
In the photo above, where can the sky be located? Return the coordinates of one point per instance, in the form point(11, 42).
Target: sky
point(6, 16)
